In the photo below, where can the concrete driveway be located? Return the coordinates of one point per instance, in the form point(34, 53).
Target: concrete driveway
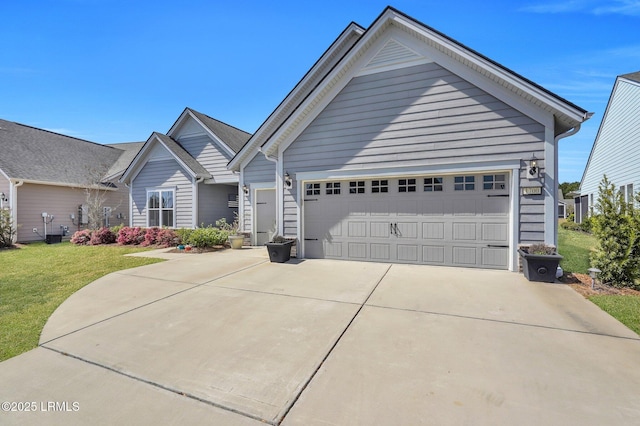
point(229, 338)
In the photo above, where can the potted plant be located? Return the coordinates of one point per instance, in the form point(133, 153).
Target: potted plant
point(236, 239)
point(279, 249)
point(540, 262)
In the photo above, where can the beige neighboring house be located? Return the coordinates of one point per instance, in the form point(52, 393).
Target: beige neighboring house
point(44, 178)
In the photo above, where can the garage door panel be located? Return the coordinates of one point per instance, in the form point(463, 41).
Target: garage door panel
point(380, 252)
point(467, 228)
point(357, 251)
point(433, 230)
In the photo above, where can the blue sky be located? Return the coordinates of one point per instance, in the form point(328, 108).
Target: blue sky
point(115, 70)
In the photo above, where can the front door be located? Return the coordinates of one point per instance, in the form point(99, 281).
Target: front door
point(265, 225)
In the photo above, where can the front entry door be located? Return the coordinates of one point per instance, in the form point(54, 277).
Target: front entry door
point(265, 215)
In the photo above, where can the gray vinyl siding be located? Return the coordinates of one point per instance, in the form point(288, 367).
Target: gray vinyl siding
point(261, 170)
point(167, 174)
point(61, 202)
point(417, 116)
point(207, 153)
point(616, 151)
point(213, 203)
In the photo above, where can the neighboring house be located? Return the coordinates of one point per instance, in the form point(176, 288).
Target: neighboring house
point(45, 176)
point(402, 145)
point(565, 205)
point(180, 179)
point(616, 149)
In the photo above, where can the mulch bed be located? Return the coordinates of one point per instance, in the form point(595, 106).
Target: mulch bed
point(195, 250)
point(582, 284)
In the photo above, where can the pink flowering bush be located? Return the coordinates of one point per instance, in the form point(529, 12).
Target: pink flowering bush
point(81, 237)
point(102, 236)
point(160, 237)
point(131, 236)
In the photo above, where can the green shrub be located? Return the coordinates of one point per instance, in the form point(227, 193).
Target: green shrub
point(7, 230)
point(116, 229)
point(571, 226)
point(207, 237)
point(617, 229)
point(183, 235)
point(587, 224)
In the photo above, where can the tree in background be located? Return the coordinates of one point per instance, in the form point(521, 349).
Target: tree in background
point(567, 187)
point(616, 225)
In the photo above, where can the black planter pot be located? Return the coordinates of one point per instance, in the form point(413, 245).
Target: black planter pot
point(540, 267)
point(279, 252)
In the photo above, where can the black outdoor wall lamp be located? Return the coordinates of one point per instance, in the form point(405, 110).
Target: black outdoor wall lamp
point(287, 180)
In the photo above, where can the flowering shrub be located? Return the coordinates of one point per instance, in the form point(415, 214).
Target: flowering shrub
point(131, 236)
point(167, 238)
point(81, 237)
point(102, 236)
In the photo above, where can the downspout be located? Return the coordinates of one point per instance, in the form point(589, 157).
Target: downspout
point(130, 203)
point(194, 219)
point(13, 196)
point(566, 134)
point(279, 192)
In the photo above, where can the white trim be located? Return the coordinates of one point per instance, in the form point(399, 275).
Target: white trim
point(161, 189)
point(550, 187)
point(512, 167)
point(194, 203)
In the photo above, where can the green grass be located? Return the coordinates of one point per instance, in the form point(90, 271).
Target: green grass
point(575, 246)
point(36, 279)
point(624, 308)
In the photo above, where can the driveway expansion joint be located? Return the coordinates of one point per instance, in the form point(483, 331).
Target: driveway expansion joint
point(160, 386)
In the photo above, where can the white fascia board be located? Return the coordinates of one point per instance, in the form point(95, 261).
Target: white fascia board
point(226, 180)
point(445, 169)
point(258, 138)
point(497, 71)
point(134, 165)
point(63, 184)
point(178, 122)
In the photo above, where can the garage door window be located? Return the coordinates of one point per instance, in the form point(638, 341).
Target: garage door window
point(332, 188)
point(464, 183)
point(490, 182)
point(313, 188)
point(406, 185)
point(356, 187)
point(433, 184)
point(379, 186)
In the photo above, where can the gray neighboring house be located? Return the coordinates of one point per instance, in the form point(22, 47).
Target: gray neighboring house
point(44, 175)
point(180, 179)
point(402, 145)
point(616, 149)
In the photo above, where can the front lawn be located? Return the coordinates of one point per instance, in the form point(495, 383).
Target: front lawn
point(576, 246)
point(37, 278)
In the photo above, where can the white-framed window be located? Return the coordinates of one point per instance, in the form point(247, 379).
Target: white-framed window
point(407, 185)
point(379, 186)
point(332, 188)
point(106, 217)
point(356, 187)
point(161, 207)
point(464, 183)
point(490, 182)
point(312, 188)
point(433, 184)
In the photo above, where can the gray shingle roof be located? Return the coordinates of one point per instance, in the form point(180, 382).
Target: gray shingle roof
point(635, 76)
point(129, 151)
point(233, 137)
point(183, 155)
point(39, 155)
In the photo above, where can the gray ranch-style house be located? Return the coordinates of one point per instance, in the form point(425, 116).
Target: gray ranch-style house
point(401, 144)
point(44, 178)
point(181, 179)
point(616, 149)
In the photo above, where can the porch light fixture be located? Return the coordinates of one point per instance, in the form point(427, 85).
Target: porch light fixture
point(3, 197)
point(533, 165)
point(245, 189)
point(287, 180)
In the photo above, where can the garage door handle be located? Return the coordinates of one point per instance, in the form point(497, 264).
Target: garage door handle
point(311, 239)
point(497, 195)
point(310, 199)
point(497, 246)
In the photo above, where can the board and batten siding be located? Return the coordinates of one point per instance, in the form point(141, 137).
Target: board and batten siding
point(163, 174)
point(616, 151)
point(260, 170)
point(207, 153)
point(422, 115)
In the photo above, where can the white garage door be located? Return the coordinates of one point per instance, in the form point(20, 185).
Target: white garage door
point(460, 220)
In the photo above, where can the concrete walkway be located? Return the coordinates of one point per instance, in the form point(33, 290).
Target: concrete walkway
point(229, 338)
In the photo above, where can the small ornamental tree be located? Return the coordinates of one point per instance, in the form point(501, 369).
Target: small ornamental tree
point(616, 226)
point(7, 230)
